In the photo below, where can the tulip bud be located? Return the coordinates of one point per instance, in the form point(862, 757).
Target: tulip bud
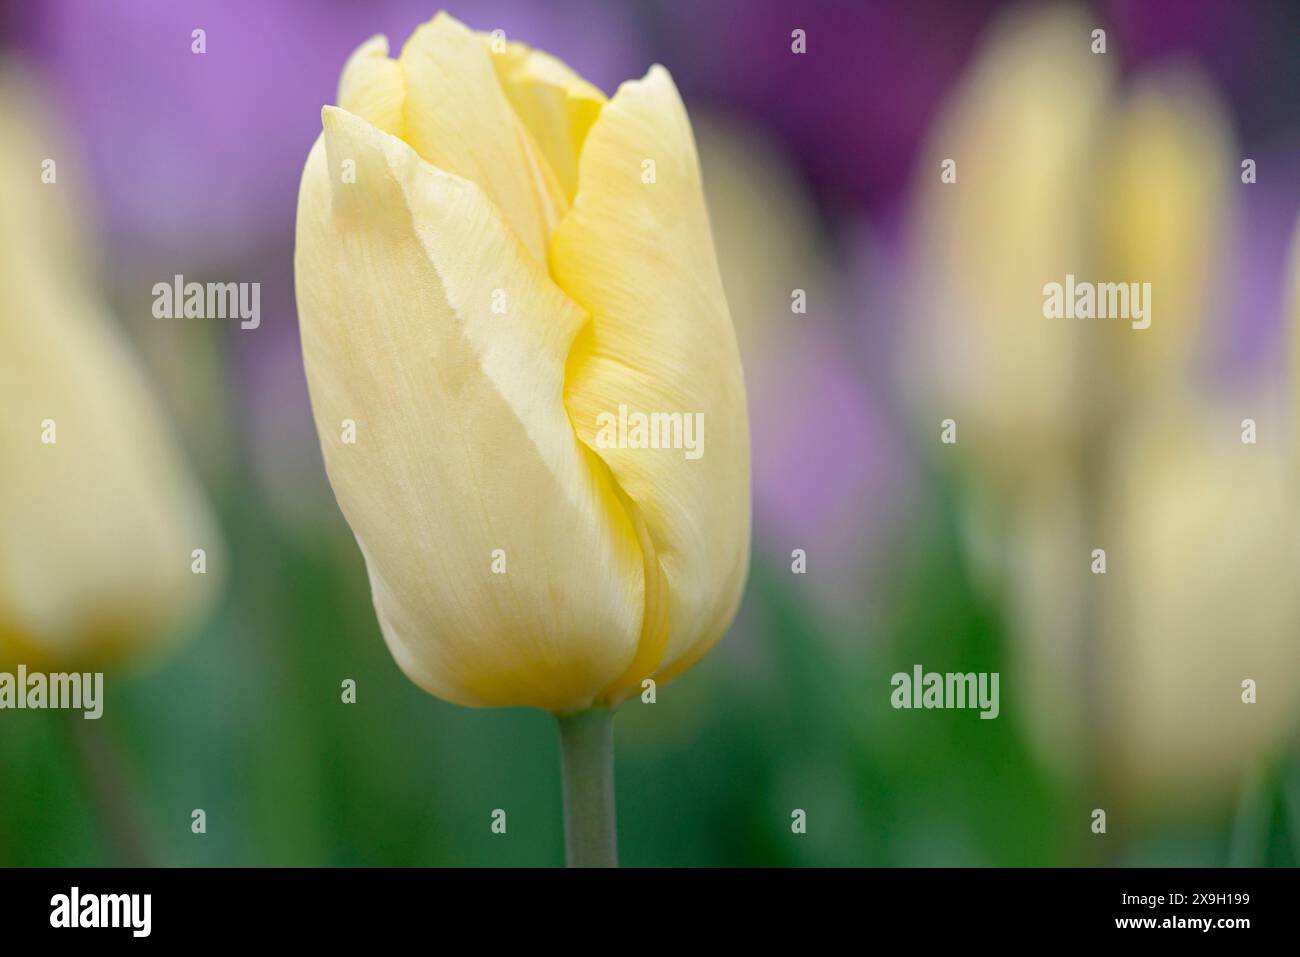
point(1166, 216)
point(1063, 174)
point(496, 281)
point(99, 515)
point(1021, 125)
point(1197, 598)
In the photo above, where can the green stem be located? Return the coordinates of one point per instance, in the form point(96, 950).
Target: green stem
point(587, 763)
point(94, 751)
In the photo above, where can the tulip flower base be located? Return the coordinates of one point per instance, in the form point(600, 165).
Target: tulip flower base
point(587, 768)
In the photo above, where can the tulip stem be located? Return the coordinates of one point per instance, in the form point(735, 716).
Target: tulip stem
point(95, 754)
point(587, 768)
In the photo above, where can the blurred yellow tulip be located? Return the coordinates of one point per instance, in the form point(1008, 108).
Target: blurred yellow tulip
point(1198, 529)
point(492, 258)
point(1165, 214)
point(1021, 130)
point(99, 514)
point(1202, 529)
point(1079, 435)
point(1059, 173)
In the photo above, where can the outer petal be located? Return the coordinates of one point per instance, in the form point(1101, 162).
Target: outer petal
point(556, 105)
point(463, 445)
point(458, 118)
point(639, 257)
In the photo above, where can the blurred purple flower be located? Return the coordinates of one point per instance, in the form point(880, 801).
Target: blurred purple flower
point(1255, 331)
point(826, 463)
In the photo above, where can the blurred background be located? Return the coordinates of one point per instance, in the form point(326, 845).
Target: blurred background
point(1120, 692)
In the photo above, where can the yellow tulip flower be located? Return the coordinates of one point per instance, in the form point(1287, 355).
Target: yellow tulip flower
point(1061, 172)
point(99, 514)
point(497, 270)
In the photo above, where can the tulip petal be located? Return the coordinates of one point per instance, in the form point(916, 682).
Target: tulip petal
point(639, 257)
point(459, 119)
point(556, 105)
point(463, 442)
point(373, 87)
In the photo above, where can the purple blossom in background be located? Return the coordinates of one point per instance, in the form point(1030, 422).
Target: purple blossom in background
point(1253, 337)
point(826, 464)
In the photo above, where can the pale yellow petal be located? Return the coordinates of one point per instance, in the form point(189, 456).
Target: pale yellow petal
point(556, 104)
point(373, 87)
point(463, 442)
point(639, 257)
point(459, 119)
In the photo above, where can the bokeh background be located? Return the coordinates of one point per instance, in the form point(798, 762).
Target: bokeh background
point(822, 173)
